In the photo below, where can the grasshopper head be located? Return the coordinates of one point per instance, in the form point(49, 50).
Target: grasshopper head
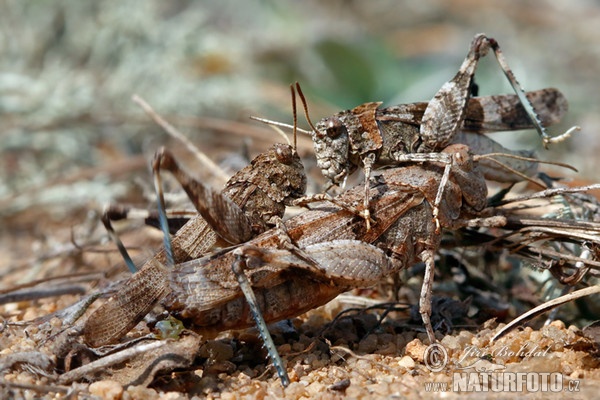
point(273, 180)
point(278, 173)
point(289, 174)
point(332, 145)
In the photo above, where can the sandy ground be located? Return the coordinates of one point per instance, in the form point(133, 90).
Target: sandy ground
point(72, 141)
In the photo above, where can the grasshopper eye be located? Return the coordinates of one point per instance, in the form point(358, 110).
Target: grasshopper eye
point(284, 155)
point(335, 127)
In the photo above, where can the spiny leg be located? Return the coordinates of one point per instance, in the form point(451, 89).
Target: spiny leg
point(445, 113)
point(238, 269)
point(116, 212)
point(349, 263)
point(493, 44)
point(321, 197)
point(162, 214)
point(143, 289)
point(368, 162)
point(110, 213)
point(438, 196)
point(425, 298)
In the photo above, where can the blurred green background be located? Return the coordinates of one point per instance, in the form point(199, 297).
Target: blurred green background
point(68, 70)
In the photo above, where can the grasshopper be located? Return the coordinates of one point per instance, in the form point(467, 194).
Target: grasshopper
point(249, 204)
point(308, 260)
point(373, 137)
point(253, 201)
point(338, 152)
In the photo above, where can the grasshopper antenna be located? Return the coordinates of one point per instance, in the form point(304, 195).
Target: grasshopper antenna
point(490, 156)
point(279, 124)
point(305, 105)
point(280, 132)
point(518, 157)
point(295, 116)
point(275, 125)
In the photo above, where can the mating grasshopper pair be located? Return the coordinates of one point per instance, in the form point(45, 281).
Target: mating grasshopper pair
point(311, 258)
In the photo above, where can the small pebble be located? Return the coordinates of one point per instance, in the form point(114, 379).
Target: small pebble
point(415, 349)
point(110, 390)
point(340, 386)
point(558, 324)
point(406, 362)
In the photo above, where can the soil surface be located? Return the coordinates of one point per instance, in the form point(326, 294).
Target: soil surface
point(72, 141)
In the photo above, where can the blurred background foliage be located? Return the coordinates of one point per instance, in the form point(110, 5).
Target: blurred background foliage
point(71, 139)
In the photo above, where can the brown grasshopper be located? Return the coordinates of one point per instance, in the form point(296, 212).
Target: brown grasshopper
point(255, 199)
point(338, 155)
point(373, 137)
point(252, 205)
point(252, 201)
point(309, 259)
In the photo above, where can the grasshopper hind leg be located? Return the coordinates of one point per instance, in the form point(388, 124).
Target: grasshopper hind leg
point(111, 213)
point(238, 269)
point(425, 298)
